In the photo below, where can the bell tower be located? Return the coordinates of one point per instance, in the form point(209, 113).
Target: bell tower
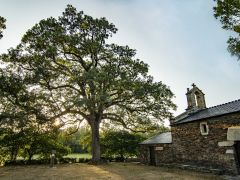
point(195, 99)
point(196, 102)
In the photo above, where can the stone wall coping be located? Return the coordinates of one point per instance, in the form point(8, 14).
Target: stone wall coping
point(193, 168)
point(225, 143)
point(234, 127)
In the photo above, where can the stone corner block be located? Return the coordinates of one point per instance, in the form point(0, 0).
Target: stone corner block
point(233, 133)
point(229, 151)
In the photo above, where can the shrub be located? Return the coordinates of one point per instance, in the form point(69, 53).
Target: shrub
point(45, 161)
point(81, 160)
point(87, 160)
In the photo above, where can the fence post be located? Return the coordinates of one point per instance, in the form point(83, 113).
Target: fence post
point(52, 158)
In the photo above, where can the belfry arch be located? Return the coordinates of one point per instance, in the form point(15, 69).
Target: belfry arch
point(198, 99)
point(195, 99)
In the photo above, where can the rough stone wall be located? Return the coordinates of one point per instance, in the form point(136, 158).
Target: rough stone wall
point(144, 154)
point(161, 156)
point(165, 155)
point(132, 160)
point(193, 148)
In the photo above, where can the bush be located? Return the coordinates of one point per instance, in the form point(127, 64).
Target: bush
point(87, 160)
point(47, 161)
point(67, 160)
point(33, 161)
point(43, 161)
point(73, 160)
point(119, 159)
point(63, 160)
point(81, 160)
point(17, 162)
point(84, 160)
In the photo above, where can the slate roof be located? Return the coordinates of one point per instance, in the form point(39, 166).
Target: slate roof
point(159, 139)
point(222, 109)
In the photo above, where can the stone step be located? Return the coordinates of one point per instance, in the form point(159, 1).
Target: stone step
point(193, 168)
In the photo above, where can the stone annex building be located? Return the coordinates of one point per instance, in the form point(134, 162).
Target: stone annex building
point(201, 139)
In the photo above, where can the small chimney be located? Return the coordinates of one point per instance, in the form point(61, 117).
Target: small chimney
point(171, 119)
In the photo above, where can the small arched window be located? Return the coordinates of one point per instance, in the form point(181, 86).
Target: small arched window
point(204, 128)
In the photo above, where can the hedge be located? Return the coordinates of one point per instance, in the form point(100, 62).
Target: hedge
point(58, 161)
point(47, 161)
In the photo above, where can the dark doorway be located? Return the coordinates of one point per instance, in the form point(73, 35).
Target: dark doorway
point(152, 156)
point(237, 146)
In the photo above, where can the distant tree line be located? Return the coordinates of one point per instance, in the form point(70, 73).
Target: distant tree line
point(28, 140)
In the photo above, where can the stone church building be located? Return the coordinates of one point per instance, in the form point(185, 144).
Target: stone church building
point(201, 139)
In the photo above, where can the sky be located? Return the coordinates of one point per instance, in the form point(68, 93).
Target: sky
point(181, 41)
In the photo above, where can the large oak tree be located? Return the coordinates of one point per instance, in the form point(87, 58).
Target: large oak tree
point(67, 71)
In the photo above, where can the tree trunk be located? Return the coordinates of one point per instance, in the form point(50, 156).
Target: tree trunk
point(121, 153)
point(94, 123)
point(12, 154)
point(30, 155)
point(15, 154)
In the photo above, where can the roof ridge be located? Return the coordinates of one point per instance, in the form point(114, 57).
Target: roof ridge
point(221, 109)
point(224, 104)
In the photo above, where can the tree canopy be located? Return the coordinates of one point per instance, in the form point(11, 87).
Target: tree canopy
point(229, 12)
point(64, 70)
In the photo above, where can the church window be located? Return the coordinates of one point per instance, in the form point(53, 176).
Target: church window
point(204, 128)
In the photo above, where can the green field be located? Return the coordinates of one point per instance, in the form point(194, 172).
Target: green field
point(84, 155)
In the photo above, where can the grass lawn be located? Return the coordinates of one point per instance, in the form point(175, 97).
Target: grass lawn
point(115, 171)
point(84, 155)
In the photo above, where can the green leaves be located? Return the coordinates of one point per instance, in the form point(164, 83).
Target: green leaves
point(2, 25)
point(229, 12)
